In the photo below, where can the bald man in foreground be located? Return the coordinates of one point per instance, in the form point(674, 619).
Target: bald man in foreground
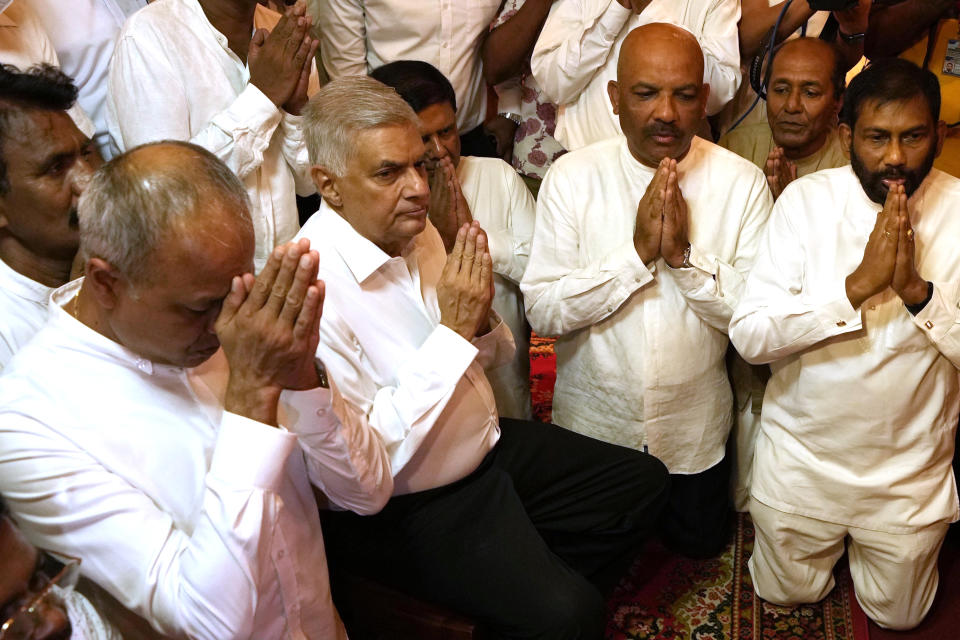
point(641, 249)
point(127, 441)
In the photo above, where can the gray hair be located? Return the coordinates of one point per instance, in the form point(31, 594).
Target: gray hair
point(132, 205)
point(344, 107)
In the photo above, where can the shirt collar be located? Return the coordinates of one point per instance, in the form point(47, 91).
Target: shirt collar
point(361, 256)
point(22, 286)
point(86, 339)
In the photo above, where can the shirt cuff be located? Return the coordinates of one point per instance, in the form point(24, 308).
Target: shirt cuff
point(939, 315)
point(626, 260)
point(311, 408)
point(838, 317)
point(612, 21)
point(445, 356)
point(250, 454)
point(251, 111)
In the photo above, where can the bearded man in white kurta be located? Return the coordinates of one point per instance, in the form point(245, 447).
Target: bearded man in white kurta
point(641, 249)
point(857, 312)
point(463, 188)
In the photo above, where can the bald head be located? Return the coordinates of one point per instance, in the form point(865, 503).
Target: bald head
point(659, 42)
point(157, 191)
point(659, 93)
point(804, 95)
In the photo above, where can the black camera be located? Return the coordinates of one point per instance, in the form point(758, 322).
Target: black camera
point(831, 5)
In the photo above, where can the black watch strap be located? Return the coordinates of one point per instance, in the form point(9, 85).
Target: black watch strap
point(914, 309)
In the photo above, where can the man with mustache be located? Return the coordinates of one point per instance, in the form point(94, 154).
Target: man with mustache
point(45, 162)
point(641, 248)
point(854, 301)
point(799, 135)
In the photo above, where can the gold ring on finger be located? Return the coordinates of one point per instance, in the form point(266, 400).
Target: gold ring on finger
point(910, 233)
point(888, 234)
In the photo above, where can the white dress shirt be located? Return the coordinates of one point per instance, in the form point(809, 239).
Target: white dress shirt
point(640, 348)
point(199, 520)
point(577, 52)
point(24, 305)
point(24, 43)
point(83, 33)
point(859, 417)
point(173, 76)
point(502, 204)
point(420, 385)
point(357, 36)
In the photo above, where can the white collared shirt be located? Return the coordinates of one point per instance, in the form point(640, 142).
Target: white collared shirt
point(502, 204)
point(199, 520)
point(577, 52)
point(859, 416)
point(641, 347)
point(24, 43)
point(421, 386)
point(173, 76)
point(357, 36)
point(83, 33)
point(24, 304)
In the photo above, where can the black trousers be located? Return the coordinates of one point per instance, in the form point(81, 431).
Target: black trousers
point(516, 543)
point(696, 520)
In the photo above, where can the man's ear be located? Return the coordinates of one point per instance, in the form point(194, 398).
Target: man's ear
point(613, 91)
point(105, 283)
point(846, 137)
point(941, 136)
point(705, 98)
point(326, 183)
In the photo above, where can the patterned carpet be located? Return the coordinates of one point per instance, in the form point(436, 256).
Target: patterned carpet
point(665, 596)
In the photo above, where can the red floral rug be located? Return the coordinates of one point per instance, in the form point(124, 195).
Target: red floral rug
point(666, 596)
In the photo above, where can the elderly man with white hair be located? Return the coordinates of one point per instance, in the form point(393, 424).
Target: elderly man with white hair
point(505, 520)
point(128, 440)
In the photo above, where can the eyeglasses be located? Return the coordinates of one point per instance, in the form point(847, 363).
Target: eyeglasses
point(34, 605)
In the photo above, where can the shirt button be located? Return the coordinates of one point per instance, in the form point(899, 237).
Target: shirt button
point(610, 309)
point(842, 323)
point(280, 554)
point(928, 324)
point(873, 307)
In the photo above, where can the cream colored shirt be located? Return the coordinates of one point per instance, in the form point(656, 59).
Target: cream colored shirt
point(357, 36)
point(641, 346)
point(859, 417)
point(577, 52)
point(419, 385)
point(502, 204)
point(173, 76)
point(755, 142)
point(24, 43)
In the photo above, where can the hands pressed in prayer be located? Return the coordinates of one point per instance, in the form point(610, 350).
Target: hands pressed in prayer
point(779, 171)
point(280, 61)
point(888, 258)
point(661, 228)
point(465, 290)
point(673, 239)
point(637, 6)
point(448, 208)
point(269, 327)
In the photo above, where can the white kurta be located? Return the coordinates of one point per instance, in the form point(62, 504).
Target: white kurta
point(83, 33)
point(357, 36)
point(24, 305)
point(577, 52)
point(173, 76)
point(24, 43)
point(421, 385)
point(641, 347)
point(502, 204)
point(859, 417)
point(199, 520)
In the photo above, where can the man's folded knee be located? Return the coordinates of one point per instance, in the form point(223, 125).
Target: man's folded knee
point(885, 613)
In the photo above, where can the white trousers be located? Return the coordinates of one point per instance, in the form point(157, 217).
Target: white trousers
point(894, 575)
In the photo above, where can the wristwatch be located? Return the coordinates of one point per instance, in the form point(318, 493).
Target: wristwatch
point(509, 115)
point(686, 258)
point(851, 38)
